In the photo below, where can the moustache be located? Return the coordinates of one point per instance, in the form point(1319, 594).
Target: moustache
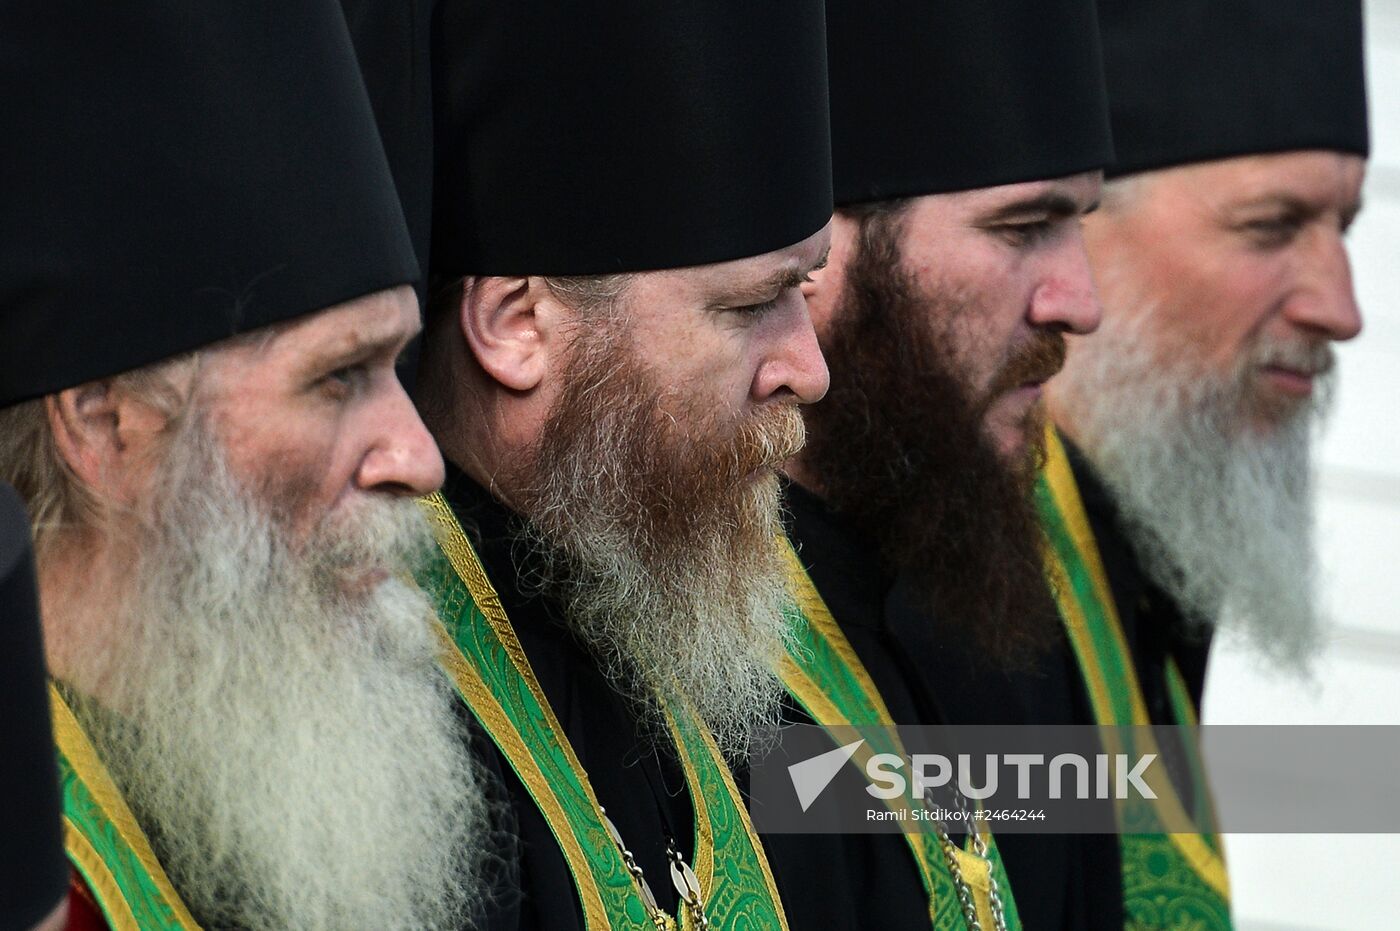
point(1031, 363)
point(772, 436)
point(373, 540)
point(1308, 358)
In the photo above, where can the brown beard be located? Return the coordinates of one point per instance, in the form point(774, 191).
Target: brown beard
point(675, 467)
point(898, 446)
point(654, 519)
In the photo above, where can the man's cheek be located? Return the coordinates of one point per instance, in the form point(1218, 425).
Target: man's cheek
point(290, 489)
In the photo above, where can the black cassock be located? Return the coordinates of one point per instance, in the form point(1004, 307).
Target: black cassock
point(1054, 692)
point(927, 673)
point(642, 789)
point(850, 881)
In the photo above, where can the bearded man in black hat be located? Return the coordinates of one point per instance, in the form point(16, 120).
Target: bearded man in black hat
point(1225, 280)
point(204, 291)
point(964, 159)
point(1187, 420)
point(612, 366)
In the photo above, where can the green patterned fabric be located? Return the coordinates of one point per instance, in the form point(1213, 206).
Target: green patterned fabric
point(742, 895)
point(129, 895)
point(826, 678)
point(1162, 892)
point(471, 634)
point(1171, 882)
point(494, 679)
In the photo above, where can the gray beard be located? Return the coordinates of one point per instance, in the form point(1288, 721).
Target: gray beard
point(1219, 512)
point(294, 749)
point(708, 631)
point(674, 580)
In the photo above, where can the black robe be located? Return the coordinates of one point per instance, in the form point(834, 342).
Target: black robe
point(850, 881)
point(1054, 691)
point(928, 674)
point(642, 788)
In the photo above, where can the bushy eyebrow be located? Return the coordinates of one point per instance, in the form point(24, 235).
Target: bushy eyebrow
point(782, 280)
point(358, 346)
point(1051, 204)
point(1282, 199)
point(1302, 207)
point(770, 287)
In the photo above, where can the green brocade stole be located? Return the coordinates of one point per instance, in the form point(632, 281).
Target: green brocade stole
point(493, 676)
point(103, 840)
point(825, 676)
point(1170, 880)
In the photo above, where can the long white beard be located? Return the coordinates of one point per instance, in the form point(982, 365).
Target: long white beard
point(1219, 511)
point(294, 749)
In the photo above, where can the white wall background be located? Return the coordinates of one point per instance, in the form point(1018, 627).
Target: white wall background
point(1289, 882)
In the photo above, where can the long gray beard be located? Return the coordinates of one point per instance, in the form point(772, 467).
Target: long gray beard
point(1220, 513)
point(294, 749)
point(708, 630)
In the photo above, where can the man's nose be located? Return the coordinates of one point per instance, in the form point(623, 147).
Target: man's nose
point(1324, 298)
point(1066, 297)
point(795, 363)
point(403, 458)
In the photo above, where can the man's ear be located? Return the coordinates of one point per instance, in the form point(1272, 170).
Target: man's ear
point(105, 436)
point(511, 326)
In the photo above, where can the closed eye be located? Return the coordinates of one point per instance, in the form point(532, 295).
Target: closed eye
point(1025, 234)
point(755, 310)
point(1273, 231)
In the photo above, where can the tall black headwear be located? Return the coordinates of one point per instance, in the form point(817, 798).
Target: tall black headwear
point(932, 96)
point(392, 42)
point(178, 173)
point(33, 869)
point(1191, 80)
point(578, 138)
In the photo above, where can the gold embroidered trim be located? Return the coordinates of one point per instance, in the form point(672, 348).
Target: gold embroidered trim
point(474, 689)
point(74, 745)
point(806, 690)
point(1208, 864)
point(102, 889)
point(468, 567)
point(704, 841)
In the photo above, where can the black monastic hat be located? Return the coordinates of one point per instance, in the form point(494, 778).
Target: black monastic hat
point(578, 138)
point(935, 96)
point(392, 42)
point(177, 173)
point(1190, 80)
point(33, 869)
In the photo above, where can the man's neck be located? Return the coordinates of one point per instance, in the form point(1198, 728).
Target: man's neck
point(483, 471)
